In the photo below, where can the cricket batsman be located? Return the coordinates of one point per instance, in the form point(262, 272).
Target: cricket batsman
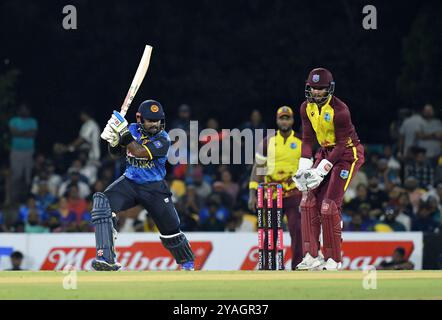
point(325, 181)
point(145, 145)
point(280, 155)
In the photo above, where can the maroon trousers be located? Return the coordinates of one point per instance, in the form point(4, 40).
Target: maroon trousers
point(336, 182)
point(291, 210)
point(322, 206)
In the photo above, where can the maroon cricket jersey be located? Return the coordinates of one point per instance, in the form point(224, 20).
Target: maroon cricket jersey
point(332, 126)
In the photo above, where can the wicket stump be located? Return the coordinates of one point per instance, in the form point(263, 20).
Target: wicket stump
point(270, 248)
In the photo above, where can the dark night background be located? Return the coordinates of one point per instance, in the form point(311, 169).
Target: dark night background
point(222, 58)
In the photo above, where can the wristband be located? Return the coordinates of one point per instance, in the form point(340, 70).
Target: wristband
point(253, 185)
point(126, 138)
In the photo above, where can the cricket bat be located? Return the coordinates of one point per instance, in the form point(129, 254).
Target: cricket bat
point(136, 82)
point(138, 79)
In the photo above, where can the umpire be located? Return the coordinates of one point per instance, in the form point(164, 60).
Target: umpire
point(145, 145)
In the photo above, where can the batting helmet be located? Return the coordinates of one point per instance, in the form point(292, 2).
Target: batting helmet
point(319, 78)
point(151, 110)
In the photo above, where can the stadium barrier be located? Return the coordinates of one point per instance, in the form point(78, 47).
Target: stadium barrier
point(214, 251)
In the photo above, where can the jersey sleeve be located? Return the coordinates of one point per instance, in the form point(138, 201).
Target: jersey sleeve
point(158, 147)
point(308, 133)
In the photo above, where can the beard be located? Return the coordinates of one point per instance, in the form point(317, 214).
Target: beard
point(152, 130)
point(285, 129)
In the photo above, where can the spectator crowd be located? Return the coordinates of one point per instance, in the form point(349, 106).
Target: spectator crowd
point(399, 188)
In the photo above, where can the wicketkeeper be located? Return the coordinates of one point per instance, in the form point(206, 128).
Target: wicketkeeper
point(325, 181)
point(145, 145)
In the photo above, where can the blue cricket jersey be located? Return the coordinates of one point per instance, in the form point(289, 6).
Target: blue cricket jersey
point(142, 170)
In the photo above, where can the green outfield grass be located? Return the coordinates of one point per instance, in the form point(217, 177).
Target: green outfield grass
point(221, 285)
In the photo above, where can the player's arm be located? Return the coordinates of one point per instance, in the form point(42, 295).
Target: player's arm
point(150, 150)
point(116, 151)
point(308, 136)
point(305, 162)
point(343, 128)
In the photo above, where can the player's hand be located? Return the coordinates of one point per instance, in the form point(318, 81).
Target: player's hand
point(313, 179)
point(315, 176)
point(110, 136)
point(118, 123)
point(252, 201)
point(300, 179)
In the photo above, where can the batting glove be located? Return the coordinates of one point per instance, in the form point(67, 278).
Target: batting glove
point(118, 123)
point(110, 136)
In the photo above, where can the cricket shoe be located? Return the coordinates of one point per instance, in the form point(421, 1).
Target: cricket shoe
point(331, 265)
point(188, 266)
point(101, 264)
point(309, 263)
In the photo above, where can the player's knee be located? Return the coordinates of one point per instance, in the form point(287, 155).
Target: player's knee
point(101, 208)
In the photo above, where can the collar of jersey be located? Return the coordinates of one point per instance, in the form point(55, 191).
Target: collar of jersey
point(278, 133)
point(325, 105)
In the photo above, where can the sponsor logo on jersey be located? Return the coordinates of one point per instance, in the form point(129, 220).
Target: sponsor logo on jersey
point(140, 162)
point(157, 144)
point(344, 174)
point(327, 117)
point(293, 145)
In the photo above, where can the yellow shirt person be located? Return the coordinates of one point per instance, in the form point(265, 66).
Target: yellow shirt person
point(278, 157)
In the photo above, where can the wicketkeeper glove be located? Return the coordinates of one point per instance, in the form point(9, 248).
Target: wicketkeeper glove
point(300, 177)
point(317, 174)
